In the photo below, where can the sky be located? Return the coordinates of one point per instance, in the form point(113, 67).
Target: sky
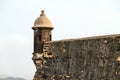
point(70, 19)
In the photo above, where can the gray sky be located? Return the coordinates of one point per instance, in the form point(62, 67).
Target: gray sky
point(70, 18)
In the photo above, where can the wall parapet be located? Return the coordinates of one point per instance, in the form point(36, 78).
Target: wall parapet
point(94, 58)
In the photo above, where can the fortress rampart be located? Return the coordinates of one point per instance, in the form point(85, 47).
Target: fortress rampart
point(94, 58)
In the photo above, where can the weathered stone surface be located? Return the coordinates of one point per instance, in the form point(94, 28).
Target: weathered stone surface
point(96, 58)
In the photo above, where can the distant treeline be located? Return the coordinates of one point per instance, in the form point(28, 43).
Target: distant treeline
point(12, 78)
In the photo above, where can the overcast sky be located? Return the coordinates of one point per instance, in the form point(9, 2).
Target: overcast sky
point(70, 18)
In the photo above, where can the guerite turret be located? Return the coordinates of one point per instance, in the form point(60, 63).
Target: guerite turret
point(42, 32)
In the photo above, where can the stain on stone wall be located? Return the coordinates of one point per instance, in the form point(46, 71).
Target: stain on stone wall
point(96, 58)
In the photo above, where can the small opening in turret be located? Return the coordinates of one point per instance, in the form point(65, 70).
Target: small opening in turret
point(50, 38)
point(39, 37)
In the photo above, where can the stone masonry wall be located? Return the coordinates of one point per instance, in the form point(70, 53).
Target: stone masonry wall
point(95, 58)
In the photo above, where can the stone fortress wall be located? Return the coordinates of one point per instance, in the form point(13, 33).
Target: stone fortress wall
point(94, 58)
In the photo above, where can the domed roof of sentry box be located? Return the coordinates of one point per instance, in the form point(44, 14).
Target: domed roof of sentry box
point(42, 21)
